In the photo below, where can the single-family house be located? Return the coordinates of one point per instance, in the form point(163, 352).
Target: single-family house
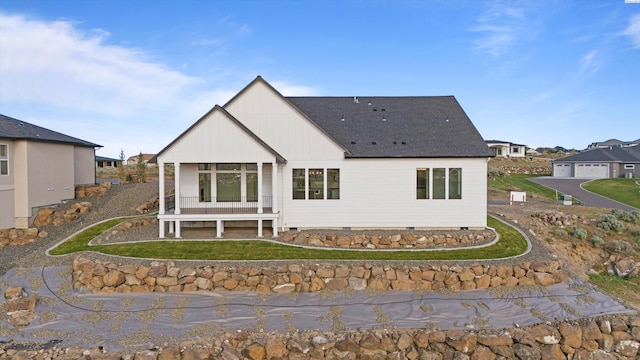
point(361, 162)
point(106, 162)
point(610, 162)
point(613, 142)
point(133, 160)
point(506, 149)
point(39, 167)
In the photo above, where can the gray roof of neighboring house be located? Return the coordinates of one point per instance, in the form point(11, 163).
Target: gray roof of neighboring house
point(394, 127)
point(103, 158)
point(503, 142)
point(17, 129)
point(608, 154)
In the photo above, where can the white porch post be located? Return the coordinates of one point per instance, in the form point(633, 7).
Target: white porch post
point(161, 229)
point(274, 187)
point(177, 188)
point(274, 196)
point(177, 198)
point(218, 228)
point(260, 191)
point(259, 228)
point(161, 198)
point(161, 188)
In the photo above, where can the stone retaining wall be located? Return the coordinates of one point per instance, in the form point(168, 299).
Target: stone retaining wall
point(104, 277)
point(607, 338)
point(390, 239)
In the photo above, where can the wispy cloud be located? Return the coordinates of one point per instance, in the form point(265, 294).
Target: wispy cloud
point(57, 64)
point(59, 76)
point(633, 31)
point(501, 27)
point(590, 63)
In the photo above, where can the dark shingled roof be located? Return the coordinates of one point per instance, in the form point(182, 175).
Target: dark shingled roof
point(396, 127)
point(612, 154)
point(103, 158)
point(17, 129)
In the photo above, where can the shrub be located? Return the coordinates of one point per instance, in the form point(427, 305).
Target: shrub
point(626, 216)
point(610, 223)
point(494, 173)
point(618, 246)
point(141, 169)
point(597, 241)
point(580, 234)
point(559, 232)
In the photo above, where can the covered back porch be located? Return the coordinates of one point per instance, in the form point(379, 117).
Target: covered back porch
point(219, 193)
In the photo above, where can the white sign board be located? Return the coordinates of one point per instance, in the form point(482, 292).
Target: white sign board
point(517, 196)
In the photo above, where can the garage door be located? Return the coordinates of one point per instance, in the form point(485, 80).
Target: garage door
point(561, 170)
point(592, 171)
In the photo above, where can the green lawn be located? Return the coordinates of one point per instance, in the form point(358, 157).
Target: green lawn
point(519, 182)
point(625, 191)
point(511, 243)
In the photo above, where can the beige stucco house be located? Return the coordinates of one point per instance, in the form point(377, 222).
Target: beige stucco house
point(39, 167)
point(327, 162)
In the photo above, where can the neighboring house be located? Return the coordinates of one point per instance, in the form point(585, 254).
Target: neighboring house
point(506, 149)
point(609, 162)
point(612, 142)
point(105, 162)
point(133, 160)
point(532, 152)
point(327, 162)
point(39, 167)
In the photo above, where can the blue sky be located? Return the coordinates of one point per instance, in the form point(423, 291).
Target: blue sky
point(133, 75)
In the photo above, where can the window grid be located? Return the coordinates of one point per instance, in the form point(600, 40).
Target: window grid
point(315, 184)
point(4, 159)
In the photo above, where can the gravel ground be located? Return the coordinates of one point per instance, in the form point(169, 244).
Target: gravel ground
point(120, 200)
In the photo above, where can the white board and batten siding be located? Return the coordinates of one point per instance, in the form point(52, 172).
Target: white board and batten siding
point(381, 193)
point(284, 128)
point(216, 139)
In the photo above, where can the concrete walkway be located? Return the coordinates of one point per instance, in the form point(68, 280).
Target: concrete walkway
point(571, 186)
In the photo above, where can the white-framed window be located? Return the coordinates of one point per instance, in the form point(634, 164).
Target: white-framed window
point(455, 183)
point(315, 184)
point(4, 159)
point(629, 166)
point(422, 184)
point(439, 183)
point(204, 182)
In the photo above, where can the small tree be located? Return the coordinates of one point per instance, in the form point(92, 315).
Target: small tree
point(141, 169)
point(122, 174)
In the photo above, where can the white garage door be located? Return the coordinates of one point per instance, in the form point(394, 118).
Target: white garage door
point(561, 170)
point(592, 171)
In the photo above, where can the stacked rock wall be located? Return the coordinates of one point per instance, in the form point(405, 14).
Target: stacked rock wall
point(607, 338)
point(104, 277)
point(390, 239)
